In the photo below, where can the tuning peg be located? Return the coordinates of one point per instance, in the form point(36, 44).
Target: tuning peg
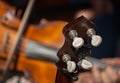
point(85, 64)
point(71, 65)
point(96, 39)
point(77, 41)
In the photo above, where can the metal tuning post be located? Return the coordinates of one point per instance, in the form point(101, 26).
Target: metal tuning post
point(71, 65)
point(77, 41)
point(96, 39)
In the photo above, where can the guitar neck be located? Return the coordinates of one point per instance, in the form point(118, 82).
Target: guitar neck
point(60, 78)
point(49, 54)
point(101, 65)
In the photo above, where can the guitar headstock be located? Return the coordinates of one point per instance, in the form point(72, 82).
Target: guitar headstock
point(78, 35)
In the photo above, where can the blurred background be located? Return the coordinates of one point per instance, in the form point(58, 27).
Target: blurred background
point(104, 13)
point(52, 9)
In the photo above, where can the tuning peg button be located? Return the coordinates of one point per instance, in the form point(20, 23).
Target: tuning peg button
point(85, 64)
point(77, 42)
point(96, 40)
point(71, 66)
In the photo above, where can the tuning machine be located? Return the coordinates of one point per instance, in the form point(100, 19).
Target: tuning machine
point(77, 41)
point(71, 65)
point(85, 64)
point(96, 39)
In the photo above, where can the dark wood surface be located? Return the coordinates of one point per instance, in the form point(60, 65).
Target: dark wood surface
point(81, 25)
